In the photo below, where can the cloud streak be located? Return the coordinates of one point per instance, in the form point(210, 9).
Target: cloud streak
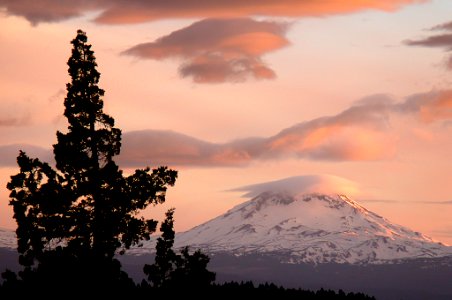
point(402, 202)
point(171, 148)
point(219, 50)
point(13, 114)
point(138, 11)
point(362, 132)
point(380, 201)
point(305, 184)
point(13, 121)
point(9, 153)
point(443, 40)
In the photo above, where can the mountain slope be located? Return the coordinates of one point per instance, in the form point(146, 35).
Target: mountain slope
point(300, 228)
point(310, 228)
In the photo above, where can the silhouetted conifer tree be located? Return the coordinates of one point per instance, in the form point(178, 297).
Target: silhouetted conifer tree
point(173, 270)
point(73, 219)
point(159, 273)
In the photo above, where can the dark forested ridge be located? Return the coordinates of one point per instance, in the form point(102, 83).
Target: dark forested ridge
point(77, 218)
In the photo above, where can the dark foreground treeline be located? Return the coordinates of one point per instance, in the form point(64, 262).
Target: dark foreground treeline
point(214, 291)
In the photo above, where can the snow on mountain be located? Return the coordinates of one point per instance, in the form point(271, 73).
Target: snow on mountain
point(301, 219)
point(309, 219)
point(310, 228)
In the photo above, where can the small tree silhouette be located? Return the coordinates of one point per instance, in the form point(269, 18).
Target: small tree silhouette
point(73, 219)
point(186, 270)
point(160, 272)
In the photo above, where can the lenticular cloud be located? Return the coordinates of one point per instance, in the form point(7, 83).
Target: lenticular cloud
point(219, 50)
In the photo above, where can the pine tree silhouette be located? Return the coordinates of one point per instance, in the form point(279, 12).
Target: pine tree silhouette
point(171, 270)
point(73, 219)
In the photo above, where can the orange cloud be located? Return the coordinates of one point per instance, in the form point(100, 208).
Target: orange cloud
point(362, 132)
point(358, 133)
point(219, 50)
point(429, 107)
point(151, 10)
point(440, 108)
point(138, 11)
point(358, 144)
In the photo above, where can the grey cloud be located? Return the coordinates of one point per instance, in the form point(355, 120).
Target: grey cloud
point(442, 41)
point(49, 10)
point(437, 41)
point(336, 138)
point(219, 50)
point(380, 201)
point(215, 69)
point(407, 201)
point(138, 11)
point(434, 202)
point(428, 107)
point(360, 133)
point(305, 184)
point(9, 153)
point(13, 121)
point(158, 147)
point(444, 26)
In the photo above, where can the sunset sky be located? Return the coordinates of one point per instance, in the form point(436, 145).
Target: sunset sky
point(233, 93)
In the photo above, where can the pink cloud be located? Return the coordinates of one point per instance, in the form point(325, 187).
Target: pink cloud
point(150, 10)
point(219, 50)
point(338, 143)
point(9, 153)
point(357, 133)
point(362, 132)
point(429, 107)
point(48, 10)
point(137, 11)
point(12, 121)
point(160, 147)
point(306, 184)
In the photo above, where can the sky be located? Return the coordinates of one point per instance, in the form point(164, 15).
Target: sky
point(242, 92)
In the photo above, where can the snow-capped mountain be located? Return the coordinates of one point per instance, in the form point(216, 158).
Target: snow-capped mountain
point(311, 227)
point(301, 219)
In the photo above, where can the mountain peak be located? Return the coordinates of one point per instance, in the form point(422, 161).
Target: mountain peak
point(271, 199)
point(310, 227)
